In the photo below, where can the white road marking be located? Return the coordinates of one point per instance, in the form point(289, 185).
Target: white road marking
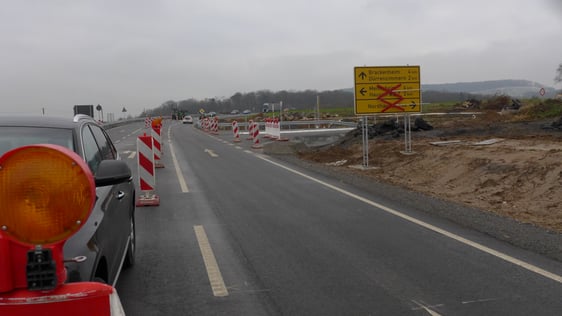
point(211, 153)
point(498, 254)
point(427, 309)
point(183, 184)
point(480, 301)
point(179, 174)
point(213, 271)
point(132, 155)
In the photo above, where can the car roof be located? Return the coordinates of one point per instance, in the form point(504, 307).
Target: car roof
point(43, 120)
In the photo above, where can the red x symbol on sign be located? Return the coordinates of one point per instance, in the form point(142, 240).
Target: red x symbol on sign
point(390, 91)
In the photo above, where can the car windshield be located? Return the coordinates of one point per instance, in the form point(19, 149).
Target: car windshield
point(12, 137)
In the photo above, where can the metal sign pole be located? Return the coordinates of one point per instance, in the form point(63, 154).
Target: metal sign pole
point(365, 143)
point(407, 134)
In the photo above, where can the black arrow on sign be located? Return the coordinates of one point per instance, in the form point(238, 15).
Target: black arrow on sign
point(413, 105)
point(362, 75)
point(363, 91)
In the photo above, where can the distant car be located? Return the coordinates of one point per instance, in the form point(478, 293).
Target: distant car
point(188, 119)
point(211, 114)
point(106, 242)
point(246, 112)
point(235, 112)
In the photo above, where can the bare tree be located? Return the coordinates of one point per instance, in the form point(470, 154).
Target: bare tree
point(558, 77)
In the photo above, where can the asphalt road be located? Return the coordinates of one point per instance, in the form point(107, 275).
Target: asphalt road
point(241, 233)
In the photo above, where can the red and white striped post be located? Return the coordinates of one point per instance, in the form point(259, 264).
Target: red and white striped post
point(267, 131)
point(250, 130)
point(206, 124)
point(215, 126)
point(235, 131)
point(278, 131)
point(146, 172)
point(147, 122)
point(157, 141)
point(256, 136)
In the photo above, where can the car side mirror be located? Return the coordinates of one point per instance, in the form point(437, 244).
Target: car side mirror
point(111, 172)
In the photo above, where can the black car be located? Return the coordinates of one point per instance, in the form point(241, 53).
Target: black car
point(106, 243)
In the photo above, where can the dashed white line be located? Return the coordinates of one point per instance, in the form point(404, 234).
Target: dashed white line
point(213, 271)
point(211, 153)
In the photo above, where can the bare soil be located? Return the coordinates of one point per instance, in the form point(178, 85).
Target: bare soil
point(517, 173)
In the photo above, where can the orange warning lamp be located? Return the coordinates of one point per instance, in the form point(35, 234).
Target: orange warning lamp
point(157, 122)
point(47, 193)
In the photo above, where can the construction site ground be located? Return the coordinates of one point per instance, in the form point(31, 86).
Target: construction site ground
point(513, 169)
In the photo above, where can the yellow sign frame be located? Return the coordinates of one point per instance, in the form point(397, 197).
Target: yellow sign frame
point(387, 89)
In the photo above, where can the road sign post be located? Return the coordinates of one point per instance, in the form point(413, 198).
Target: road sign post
point(388, 90)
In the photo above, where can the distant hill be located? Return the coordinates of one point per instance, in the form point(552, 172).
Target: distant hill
point(461, 91)
point(512, 88)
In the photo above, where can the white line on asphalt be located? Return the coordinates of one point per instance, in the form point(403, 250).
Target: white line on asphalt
point(213, 271)
point(480, 301)
point(132, 155)
point(211, 153)
point(428, 309)
point(181, 179)
point(179, 174)
point(436, 229)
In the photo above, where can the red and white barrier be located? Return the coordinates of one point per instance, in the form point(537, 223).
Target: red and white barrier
point(268, 128)
point(147, 122)
point(157, 141)
point(277, 131)
point(235, 131)
point(250, 130)
point(274, 129)
point(256, 136)
point(215, 126)
point(206, 124)
point(146, 172)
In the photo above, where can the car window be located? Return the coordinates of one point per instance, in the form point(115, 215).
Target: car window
point(16, 136)
point(92, 154)
point(105, 145)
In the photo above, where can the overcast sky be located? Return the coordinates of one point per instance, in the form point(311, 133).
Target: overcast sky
point(138, 54)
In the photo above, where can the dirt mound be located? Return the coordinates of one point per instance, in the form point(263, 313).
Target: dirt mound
point(509, 168)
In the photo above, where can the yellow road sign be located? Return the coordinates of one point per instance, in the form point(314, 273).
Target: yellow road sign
point(386, 89)
point(364, 91)
point(377, 106)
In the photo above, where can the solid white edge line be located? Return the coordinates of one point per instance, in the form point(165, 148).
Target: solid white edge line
point(436, 229)
point(179, 174)
point(213, 271)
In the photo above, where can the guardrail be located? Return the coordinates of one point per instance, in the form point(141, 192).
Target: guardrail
point(308, 124)
point(345, 122)
point(299, 124)
point(109, 125)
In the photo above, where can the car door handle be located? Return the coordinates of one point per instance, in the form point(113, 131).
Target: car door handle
point(120, 195)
